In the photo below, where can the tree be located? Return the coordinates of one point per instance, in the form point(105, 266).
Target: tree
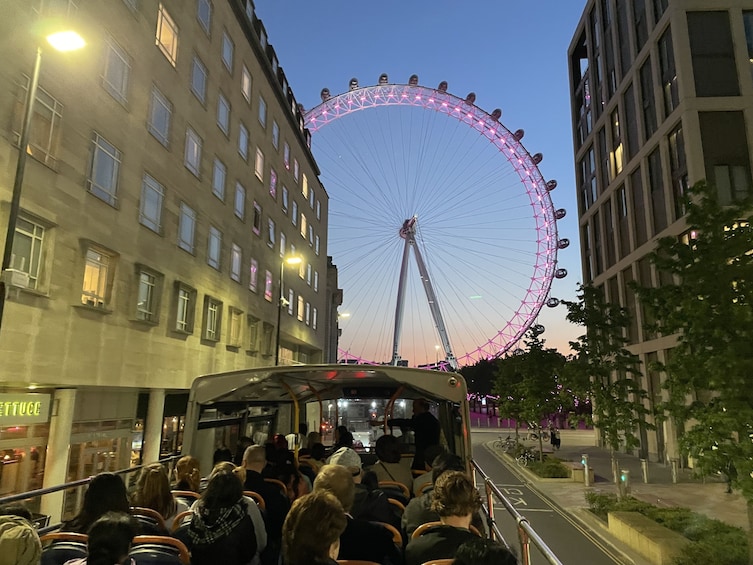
point(602, 369)
point(708, 304)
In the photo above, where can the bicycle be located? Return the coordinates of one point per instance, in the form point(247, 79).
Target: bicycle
point(526, 457)
point(506, 445)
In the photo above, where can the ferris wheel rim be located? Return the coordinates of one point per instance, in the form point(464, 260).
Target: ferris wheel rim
point(510, 146)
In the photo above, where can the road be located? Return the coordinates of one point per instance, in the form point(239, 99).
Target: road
point(572, 544)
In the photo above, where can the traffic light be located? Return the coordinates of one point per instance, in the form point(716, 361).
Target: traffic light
point(624, 484)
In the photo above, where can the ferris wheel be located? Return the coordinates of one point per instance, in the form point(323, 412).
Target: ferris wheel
point(417, 172)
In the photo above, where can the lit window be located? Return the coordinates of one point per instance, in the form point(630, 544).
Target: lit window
point(302, 269)
point(186, 228)
point(262, 112)
point(160, 114)
point(28, 246)
point(284, 199)
point(204, 14)
point(240, 201)
point(286, 155)
point(44, 133)
point(275, 134)
point(167, 35)
point(246, 84)
point(223, 114)
point(305, 186)
point(316, 281)
point(257, 218)
point(199, 80)
point(147, 302)
point(294, 213)
point(301, 306)
point(268, 286)
point(315, 318)
point(212, 314)
point(234, 329)
point(185, 299)
point(273, 183)
point(227, 51)
point(236, 260)
point(116, 72)
point(150, 207)
point(243, 141)
point(304, 225)
point(214, 247)
point(271, 232)
point(96, 272)
point(253, 272)
point(259, 165)
point(103, 176)
point(219, 174)
point(192, 157)
point(296, 169)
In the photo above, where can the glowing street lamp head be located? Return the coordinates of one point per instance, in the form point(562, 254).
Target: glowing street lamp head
point(294, 260)
point(66, 40)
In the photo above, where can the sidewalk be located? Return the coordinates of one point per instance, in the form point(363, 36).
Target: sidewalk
point(705, 497)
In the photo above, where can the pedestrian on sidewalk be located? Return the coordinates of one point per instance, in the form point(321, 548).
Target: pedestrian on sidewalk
point(554, 436)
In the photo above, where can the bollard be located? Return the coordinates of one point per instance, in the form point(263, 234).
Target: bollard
point(624, 484)
point(586, 470)
point(644, 469)
point(675, 463)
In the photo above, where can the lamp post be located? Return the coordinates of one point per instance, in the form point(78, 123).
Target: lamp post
point(62, 41)
point(294, 260)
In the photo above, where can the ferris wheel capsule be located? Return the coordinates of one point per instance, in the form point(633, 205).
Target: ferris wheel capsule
point(413, 80)
point(518, 135)
point(496, 114)
point(563, 243)
point(537, 158)
point(560, 273)
point(553, 302)
point(383, 79)
point(325, 94)
point(471, 98)
point(560, 213)
point(353, 84)
point(442, 86)
point(551, 185)
point(537, 329)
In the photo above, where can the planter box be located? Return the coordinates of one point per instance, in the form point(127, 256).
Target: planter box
point(653, 541)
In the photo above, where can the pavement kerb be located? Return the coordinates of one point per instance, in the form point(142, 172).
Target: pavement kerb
point(583, 517)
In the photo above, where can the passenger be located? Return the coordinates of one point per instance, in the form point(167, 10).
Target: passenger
point(431, 453)
point(425, 426)
point(456, 500)
point(19, 542)
point(484, 551)
point(362, 539)
point(297, 484)
point(187, 474)
point(222, 453)
point(299, 438)
point(389, 467)
point(369, 504)
point(243, 443)
point(343, 438)
point(106, 493)
point(312, 439)
point(277, 504)
point(110, 538)
point(318, 455)
point(153, 491)
point(221, 530)
point(312, 529)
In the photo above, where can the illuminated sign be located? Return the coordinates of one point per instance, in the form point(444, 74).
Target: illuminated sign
point(19, 409)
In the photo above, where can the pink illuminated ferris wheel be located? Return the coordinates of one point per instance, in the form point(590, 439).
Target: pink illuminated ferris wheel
point(440, 223)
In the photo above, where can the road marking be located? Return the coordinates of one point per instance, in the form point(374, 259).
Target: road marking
point(537, 510)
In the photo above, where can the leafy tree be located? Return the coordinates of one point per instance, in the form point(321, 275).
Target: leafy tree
point(480, 376)
point(602, 369)
point(708, 304)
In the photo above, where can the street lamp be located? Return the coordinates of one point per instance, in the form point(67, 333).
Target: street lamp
point(292, 260)
point(61, 41)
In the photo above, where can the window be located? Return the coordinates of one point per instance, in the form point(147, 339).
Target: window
point(308, 274)
point(246, 84)
point(167, 35)
point(296, 169)
point(271, 232)
point(285, 198)
point(257, 218)
point(713, 54)
point(214, 247)
point(262, 112)
point(283, 243)
point(192, 157)
point(302, 269)
point(268, 286)
point(44, 131)
point(259, 165)
point(660, 6)
point(286, 155)
point(150, 207)
point(96, 273)
point(147, 303)
point(668, 73)
point(291, 302)
point(275, 134)
point(212, 318)
point(304, 225)
point(316, 281)
point(186, 227)
point(160, 114)
point(240, 201)
point(639, 208)
point(243, 141)
point(236, 260)
point(311, 234)
point(318, 210)
point(234, 328)
point(294, 213)
point(223, 114)
point(185, 306)
point(227, 51)
point(204, 14)
point(308, 313)
point(132, 5)
point(219, 174)
point(312, 198)
point(253, 278)
point(656, 188)
point(199, 80)
point(748, 25)
point(726, 155)
point(28, 246)
point(316, 245)
point(305, 186)
point(116, 72)
point(647, 97)
point(315, 319)
point(615, 156)
point(103, 177)
point(641, 24)
point(254, 325)
point(631, 123)
point(273, 183)
point(679, 171)
point(301, 306)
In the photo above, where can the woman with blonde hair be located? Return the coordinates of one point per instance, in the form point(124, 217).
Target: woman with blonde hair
point(153, 491)
point(312, 529)
point(187, 474)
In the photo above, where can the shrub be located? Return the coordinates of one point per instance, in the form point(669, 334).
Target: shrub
point(551, 468)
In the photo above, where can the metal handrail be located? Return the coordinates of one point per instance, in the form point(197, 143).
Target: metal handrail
point(526, 533)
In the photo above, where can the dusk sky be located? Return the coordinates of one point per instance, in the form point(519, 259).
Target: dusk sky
point(513, 55)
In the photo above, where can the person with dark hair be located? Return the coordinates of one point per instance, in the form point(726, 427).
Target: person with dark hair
point(389, 467)
point(456, 500)
point(222, 453)
point(106, 493)
point(430, 455)
point(15, 510)
point(484, 551)
point(343, 438)
point(425, 426)
point(109, 542)
point(153, 491)
point(312, 530)
point(220, 531)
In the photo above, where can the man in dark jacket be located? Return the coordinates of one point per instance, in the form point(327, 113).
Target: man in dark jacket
point(426, 429)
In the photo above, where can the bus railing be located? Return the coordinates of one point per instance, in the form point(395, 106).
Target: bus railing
point(527, 536)
point(42, 526)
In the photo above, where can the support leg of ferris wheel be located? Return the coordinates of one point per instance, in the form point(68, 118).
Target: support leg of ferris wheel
point(408, 233)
